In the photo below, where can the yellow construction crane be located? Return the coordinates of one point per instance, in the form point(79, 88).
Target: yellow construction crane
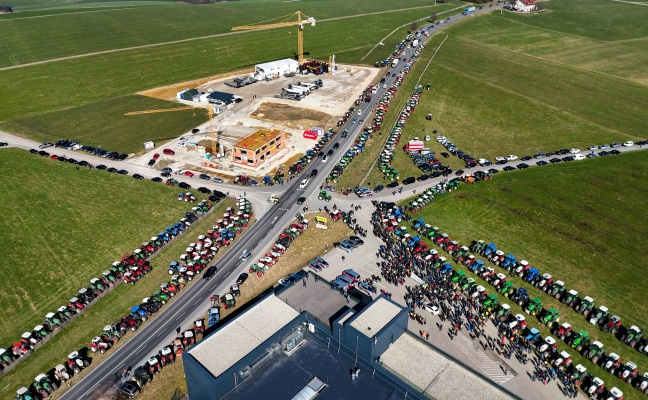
point(210, 114)
point(301, 19)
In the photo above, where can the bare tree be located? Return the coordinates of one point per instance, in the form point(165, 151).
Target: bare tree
point(433, 17)
point(413, 27)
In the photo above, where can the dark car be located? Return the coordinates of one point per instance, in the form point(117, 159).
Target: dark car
point(43, 153)
point(539, 155)
point(356, 241)
point(461, 171)
point(568, 158)
point(615, 152)
point(112, 170)
point(301, 200)
point(541, 163)
point(138, 177)
point(165, 174)
point(33, 151)
point(409, 180)
point(525, 158)
point(62, 159)
point(84, 163)
point(242, 278)
point(392, 185)
point(313, 173)
point(167, 170)
point(509, 168)
point(320, 154)
point(423, 177)
point(445, 155)
point(378, 188)
point(522, 166)
point(493, 171)
point(501, 162)
point(101, 167)
point(195, 130)
point(3, 144)
point(72, 161)
point(555, 160)
point(122, 172)
point(330, 153)
point(184, 185)
point(205, 177)
point(151, 162)
point(336, 146)
point(209, 272)
point(122, 157)
point(204, 190)
point(157, 179)
point(129, 389)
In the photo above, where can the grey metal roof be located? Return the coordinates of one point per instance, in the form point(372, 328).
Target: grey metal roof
point(225, 347)
point(373, 318)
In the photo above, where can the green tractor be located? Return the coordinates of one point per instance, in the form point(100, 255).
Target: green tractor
point(558, 290)
point(507, 289)
point(43, 386)
point(52, 321)
point(323, 195)
point(632, 336)
point(577, 374)
point(491, 302)
point(161, 297)
point(228, 301)
point(469, 286)
point(257, 269)
point(550, 317)
point(578, 340)
point(24, 394)
point(459, 278)
point(503, 312)
point(586, 306)
point(594, 352)
point(534, 306)
point(571, 299)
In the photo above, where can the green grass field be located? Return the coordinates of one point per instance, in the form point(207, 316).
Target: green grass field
point(67, 226)
point(583, 222)
point(108, 127)
point(112, 307)
point(77, 33)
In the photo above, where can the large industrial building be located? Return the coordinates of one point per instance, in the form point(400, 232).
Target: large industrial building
point(257, 148)
point(275, 69)
point(299, 343)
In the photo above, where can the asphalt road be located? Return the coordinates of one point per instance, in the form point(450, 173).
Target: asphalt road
point(193, 301)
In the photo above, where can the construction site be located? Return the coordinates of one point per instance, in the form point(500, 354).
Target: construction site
point(281, 95)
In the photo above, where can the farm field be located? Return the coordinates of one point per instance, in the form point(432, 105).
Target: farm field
point(79, 334)
point(108, 76)
point(76, 33)
point(583, 222)
point(108, 127)
point(67, 226)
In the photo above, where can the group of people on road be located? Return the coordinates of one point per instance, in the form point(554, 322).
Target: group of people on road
point(399, 261)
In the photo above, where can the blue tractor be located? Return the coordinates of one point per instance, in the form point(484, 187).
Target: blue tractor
point(491, 248)
point(509, 262)
point(532, 276)
point(521, 296)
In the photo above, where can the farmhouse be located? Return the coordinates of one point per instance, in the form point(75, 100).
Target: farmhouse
point(525, 6)
point(274, 69)
point(255, 149)
point(189, 95)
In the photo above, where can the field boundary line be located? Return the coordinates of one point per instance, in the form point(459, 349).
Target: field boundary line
point(631, 2)
point(402, 26)
point(125, 7)
point(144, 46)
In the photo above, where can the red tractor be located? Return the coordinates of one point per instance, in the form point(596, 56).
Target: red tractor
point(188, 338)
point(98, 344)
point(166, 356)
point(153, 365)
point(199, 326)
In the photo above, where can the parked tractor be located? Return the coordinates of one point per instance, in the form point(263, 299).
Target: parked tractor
point(563, 331)
point(628, 372)
point(178, 347)
point(612, 362)
point(579, 340)
point(577, 374)
point(632, 336)
point(550, 317)
point(166, 356)
point(24, 394)
point(534, 306)
point(507, 289)
point(141, 376)
point(595, 388)
point(558, 289)
point(43, 386)
point(76, 362)
point(549, 345)
point(586, 306)
point(571, 299)
point(562, 361)
point(100, 345)
point(503, 312)
point(153, 365)
point(61, 373)
point(594, 352)
point(273, 199)
point(6, 358)
point(188, 338)
point(600, 315)
point(641, 384)
point(228, 301)
point(612, 325)
point(614, 394)
point(52, 321)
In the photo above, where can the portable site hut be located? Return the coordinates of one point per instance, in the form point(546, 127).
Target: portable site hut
point(274, 69)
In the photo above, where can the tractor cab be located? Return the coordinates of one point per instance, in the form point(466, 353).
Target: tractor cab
point(178, 347)
point(533, 335)
point(577, 374)
point(23, 394)
point(612, 362)
point(188, 338)
point(594, 351)
point(548, 345)
point(490, 302)
point(599, 315)
point(459, 277)
point(534, 306)
point(558, 289)
point(62, 373)
point(500, 279)
point(520, 322)
point(571, 298)
point(504, 312)
point(551, 317)
point(628, 372)
point(615, 394)
point(521, 296)
point(632, 336)
point(563, 360)
point(469, 286)
point(642, 384)
point(596, 387)
point(480, 292)
point(167, 355)
point(545, 282)
point(235, 291)
point(579, 340)
point(228, 301)
point(507, 288)
point(586, 305)
point(563, 330)
point(612, 325)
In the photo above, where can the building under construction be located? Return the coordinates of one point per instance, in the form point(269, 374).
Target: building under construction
point(255, 149)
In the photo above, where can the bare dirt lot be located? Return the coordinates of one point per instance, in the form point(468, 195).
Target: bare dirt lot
point(291, 116)
point(170, 91)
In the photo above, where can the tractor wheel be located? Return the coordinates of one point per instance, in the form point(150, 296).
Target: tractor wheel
point(54, 386)
point(259, 273)
point(595, 359)
point(133, 328)
point(579, 348)
point(586, 313)
point(43, 393)
point(319, 197)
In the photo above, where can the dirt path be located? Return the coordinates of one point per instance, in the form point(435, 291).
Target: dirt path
point(96, 53)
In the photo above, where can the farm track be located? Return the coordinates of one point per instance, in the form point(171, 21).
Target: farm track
point(96, 53)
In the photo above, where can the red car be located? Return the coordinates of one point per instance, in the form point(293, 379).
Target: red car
point(156, 156)
point(189, 174)
point(168, 152)
point(54, 157)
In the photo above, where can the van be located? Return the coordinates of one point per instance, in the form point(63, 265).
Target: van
point(346, 279)
point(345, 246)
point(351, 274)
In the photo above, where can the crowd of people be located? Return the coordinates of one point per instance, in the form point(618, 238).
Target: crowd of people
point(398, 261)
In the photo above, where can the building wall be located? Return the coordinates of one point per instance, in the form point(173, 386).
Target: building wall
point(243, 156)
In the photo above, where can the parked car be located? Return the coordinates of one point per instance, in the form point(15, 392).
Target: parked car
point(168, 152)
point(205, 177)
point(242, 278)
point(355, 241)
point(346, 246)
point(301, 200)
point(217, 180)
point(138, 177)
point(209, 272)
point(189, 174)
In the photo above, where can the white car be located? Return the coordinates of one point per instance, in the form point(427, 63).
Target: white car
point(512, 157)
point(304, 183)
point(574, 151)
point(482, 161)
point(592, 148)
point(500, 159)
point(629, 143)
point(579, 157)
point(434, 310)
point(325, 158)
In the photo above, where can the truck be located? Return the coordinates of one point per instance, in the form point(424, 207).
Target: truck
point(302, 90)
point(469, 10)
point(395, 63)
